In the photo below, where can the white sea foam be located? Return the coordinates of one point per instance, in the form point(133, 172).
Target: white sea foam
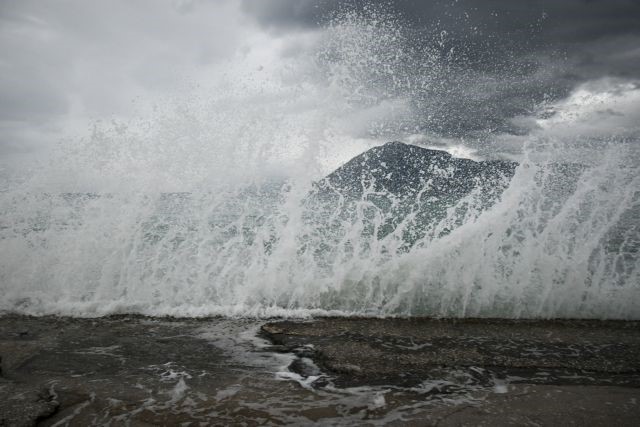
point(199, 210)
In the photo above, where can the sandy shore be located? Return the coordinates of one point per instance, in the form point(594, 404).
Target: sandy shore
point(143, 371)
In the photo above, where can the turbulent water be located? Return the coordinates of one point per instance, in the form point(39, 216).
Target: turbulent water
point(208, 204)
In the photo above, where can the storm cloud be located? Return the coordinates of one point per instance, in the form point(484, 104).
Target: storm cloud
point(66, 63)
point(581, 39)
point(553, 21)
point(518, 67)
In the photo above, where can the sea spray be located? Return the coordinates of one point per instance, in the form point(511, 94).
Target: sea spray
point(202, 207)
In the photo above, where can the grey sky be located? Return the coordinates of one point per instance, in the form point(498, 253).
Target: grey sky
point(559, 21)
point(599, 37)
point(67, 62)
point(66, 58)
point(526, 51)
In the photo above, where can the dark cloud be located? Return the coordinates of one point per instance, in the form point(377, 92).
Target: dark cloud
point(558, 20)
point(509, 55)
point(66, 62)
point(282, 14)
point(578, 29)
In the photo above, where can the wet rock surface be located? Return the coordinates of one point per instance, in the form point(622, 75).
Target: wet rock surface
point(131, 370)
point(122, 370)
point(406, 352)
point(24, 404)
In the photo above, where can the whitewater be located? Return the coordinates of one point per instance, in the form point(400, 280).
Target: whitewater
point(199, 206)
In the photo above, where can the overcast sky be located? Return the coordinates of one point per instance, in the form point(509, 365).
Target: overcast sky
point(67, 63)
point(601, 36)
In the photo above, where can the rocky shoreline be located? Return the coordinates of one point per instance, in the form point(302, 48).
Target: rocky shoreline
point(133, 370)
point(406, 351)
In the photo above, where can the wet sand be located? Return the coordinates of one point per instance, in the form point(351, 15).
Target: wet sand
point(131, 370)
